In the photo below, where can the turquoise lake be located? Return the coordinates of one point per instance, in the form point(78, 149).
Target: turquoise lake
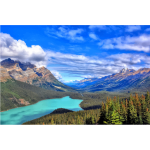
point(20, 115)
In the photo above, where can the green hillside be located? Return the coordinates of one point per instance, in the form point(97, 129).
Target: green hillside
point(55, 85)
point(13, 90)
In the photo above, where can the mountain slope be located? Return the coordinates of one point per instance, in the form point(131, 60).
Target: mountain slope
point(15, 94)
point(29, 73)
point(126, 79)
point(4, 75)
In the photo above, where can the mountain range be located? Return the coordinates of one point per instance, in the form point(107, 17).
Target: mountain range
point(29, 73)
point(126, 79)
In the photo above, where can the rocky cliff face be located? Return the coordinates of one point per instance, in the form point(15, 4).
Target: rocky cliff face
point(4, 75)
point(23, 76)
point(9, 63)
point(19, 101)
point(45, 74)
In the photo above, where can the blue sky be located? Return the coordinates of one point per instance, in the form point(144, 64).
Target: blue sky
point(75, 52)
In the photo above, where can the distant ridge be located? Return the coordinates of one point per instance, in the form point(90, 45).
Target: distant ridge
point(126, 79)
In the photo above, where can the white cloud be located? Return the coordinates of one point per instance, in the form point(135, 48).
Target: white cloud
point(63, 32)
point(100, 27)
point(141, 43)
point(75, 48)
point(84, 66)
point(88, 76)
point(93, 36)
point(18, 50)
point(148, 29)
point(131, 28)
point(56, 74)
point(131, 61)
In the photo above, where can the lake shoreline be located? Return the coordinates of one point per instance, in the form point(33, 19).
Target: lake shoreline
point(39, 101)
point(39, 109)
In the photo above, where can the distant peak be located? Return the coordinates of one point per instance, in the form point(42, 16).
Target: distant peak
point(8, 60)
point(123, 70)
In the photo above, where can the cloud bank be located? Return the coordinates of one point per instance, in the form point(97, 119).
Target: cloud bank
point(64, 32)
point(132, 28)
point(140, 43)
point(18, 50)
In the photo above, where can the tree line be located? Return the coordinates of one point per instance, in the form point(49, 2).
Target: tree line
point(135, 110)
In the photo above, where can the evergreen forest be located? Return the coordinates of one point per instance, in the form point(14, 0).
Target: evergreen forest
point(134, 110)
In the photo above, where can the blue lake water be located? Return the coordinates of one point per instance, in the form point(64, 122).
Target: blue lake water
point(23, 114)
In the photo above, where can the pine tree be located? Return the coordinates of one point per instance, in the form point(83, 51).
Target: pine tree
point(78, 120)
point(147, 98)
point(52, 121)
point(114, 118)
point(93, 120)
point(139, 108)
point(132, 114)
point(123, 113)
point(140, 121)
point(136, 101)
point(126, 103)
point(102, 114)
point(117, 98)
point(113, 112)
point(146, 117)
point(143, 107)
point(131, 97)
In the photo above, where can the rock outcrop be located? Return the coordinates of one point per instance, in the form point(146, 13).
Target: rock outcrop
point(23, 76)
point(20, 101)
point(9, 63)
point(45, 74)
point(4, 75)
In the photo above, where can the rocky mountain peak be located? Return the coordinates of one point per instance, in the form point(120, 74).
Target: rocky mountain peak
point(124, 70)
point(8, 59)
